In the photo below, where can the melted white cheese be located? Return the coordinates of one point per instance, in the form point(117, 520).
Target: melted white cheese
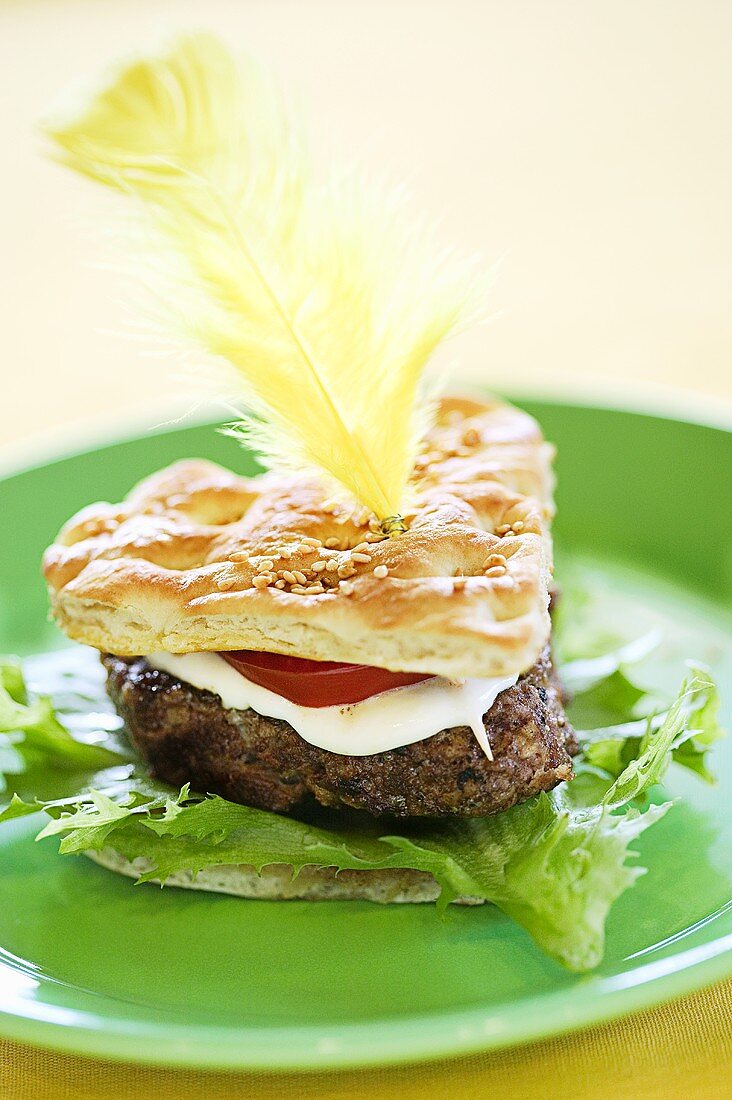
point(382, 722)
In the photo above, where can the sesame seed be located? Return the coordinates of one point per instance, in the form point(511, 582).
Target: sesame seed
point(365, 558)
point(333, 543)
point(285, 552)
point(380, 571)
point(518, 526)
point(300, 576)
point(289, 577)
point(495, 571)
point(331, 564)
point(503, 529)
point(260, 581)
point(310, 541)
point(496, 559)
point(346, 588)
point(361, 548)
point(314, 589)
point(223, 583)
point(239, 555)
point(279, 584)
point(346, 570)
point(265, 566)
point(298, 589)
point(319, 566)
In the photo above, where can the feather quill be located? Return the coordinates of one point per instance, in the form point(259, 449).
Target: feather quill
point(324, 297)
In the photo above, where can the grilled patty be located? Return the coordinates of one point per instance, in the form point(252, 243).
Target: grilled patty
point(186, 735)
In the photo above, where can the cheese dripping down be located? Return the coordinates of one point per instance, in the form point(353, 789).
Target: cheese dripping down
point(382, 722)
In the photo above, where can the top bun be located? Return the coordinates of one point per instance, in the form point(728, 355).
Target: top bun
point(198, 558)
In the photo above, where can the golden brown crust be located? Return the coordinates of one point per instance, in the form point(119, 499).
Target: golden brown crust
point(198, 558)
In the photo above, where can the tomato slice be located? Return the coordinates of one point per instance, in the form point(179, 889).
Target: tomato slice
point(317, 683)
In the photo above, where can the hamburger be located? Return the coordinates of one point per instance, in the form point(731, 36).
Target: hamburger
point(240, 622)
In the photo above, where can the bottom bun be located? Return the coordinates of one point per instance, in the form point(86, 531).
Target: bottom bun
point(276, 883)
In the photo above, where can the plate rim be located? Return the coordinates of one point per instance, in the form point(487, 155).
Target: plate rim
point(381, 1042)
point(384, 1041)
point(74, 441)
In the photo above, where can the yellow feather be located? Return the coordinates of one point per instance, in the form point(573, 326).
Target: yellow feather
point(323, 296)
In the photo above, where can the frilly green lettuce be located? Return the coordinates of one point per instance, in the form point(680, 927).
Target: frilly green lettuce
point(555, 864)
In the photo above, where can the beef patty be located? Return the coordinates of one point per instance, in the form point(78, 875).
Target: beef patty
point(186, 735)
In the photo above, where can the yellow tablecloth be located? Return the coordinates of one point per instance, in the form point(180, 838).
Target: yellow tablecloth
point(682, 1050)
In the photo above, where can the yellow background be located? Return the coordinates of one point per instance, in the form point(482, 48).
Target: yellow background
point(585, 145)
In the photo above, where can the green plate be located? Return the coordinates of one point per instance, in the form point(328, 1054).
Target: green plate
point(92, 963)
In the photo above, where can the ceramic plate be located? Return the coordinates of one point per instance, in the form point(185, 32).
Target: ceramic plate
point(92, 963)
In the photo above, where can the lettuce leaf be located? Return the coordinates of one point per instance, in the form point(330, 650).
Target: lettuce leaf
point(31, 734)
point(555, 864)
point(554, 868)
point(608, 695)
